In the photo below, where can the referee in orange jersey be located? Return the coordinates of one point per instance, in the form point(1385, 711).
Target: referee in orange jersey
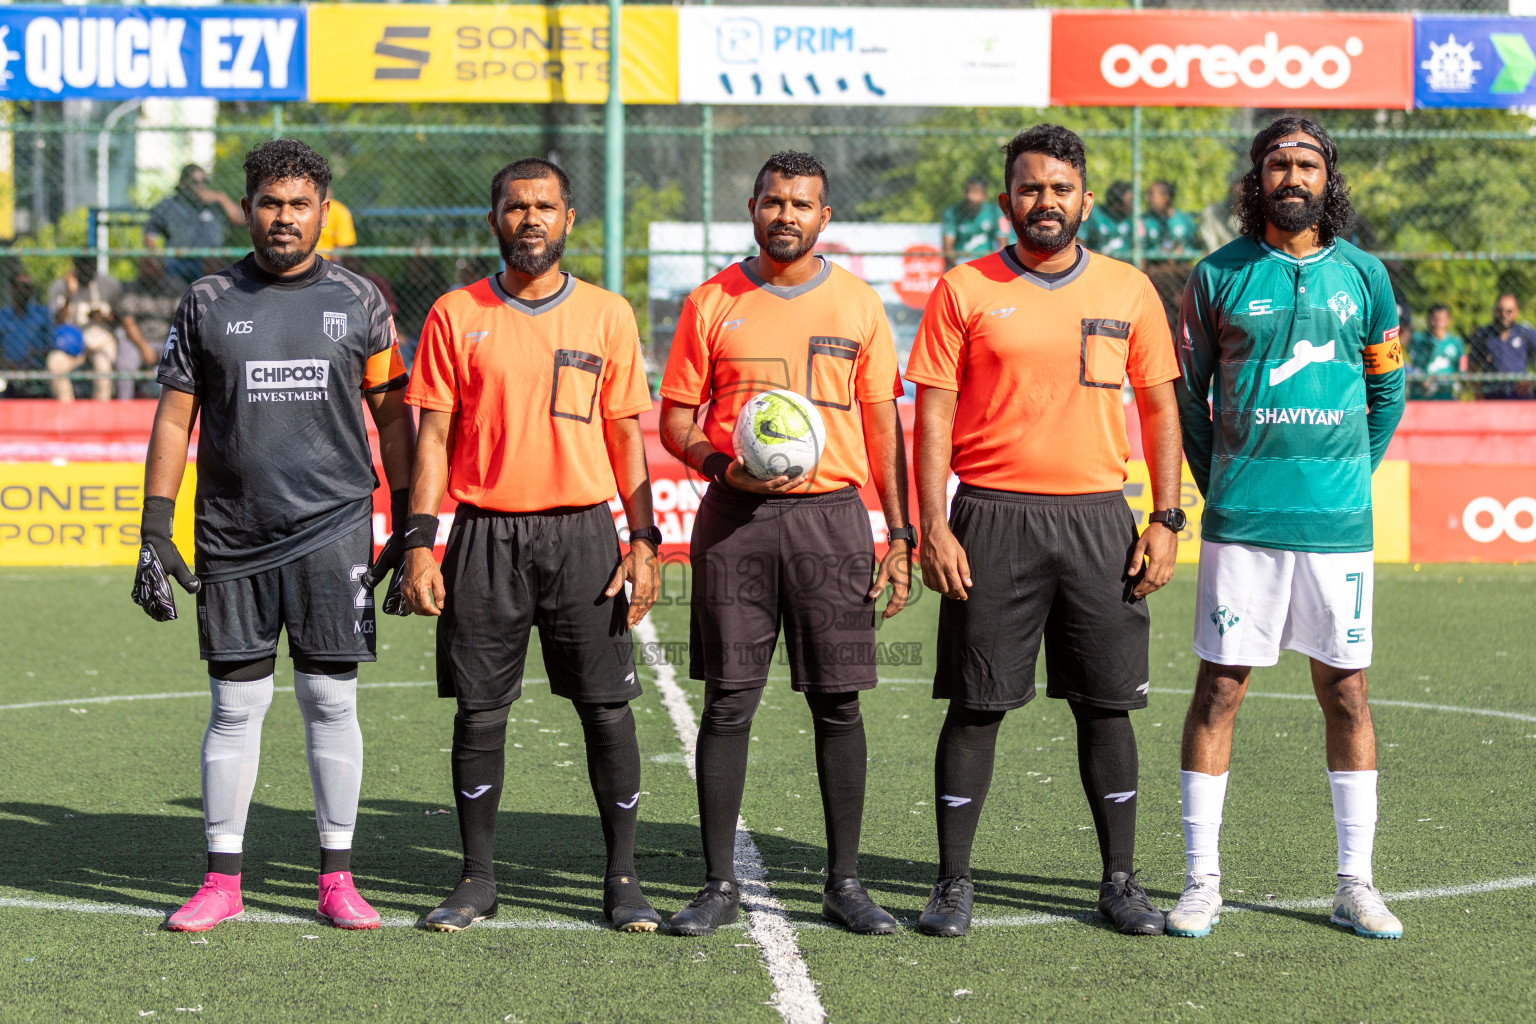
point(792, 552)
point(1019, 363)
point(530, 384)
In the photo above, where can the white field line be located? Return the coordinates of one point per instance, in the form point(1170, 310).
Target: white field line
point(204, 693)
point(565, 924)
point(794, 994)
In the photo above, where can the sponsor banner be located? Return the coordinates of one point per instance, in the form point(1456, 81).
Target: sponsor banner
point(853, 56)
point(1473, 513)
point(1236, 59)
point(1474, 62)
point(228, 53)
point(485, 53)
point(81, 513)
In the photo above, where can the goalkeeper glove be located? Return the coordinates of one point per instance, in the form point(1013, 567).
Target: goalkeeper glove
point(392, 555)
point(157, 556)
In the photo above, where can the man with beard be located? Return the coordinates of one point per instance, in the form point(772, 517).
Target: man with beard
point(791, 552)
point(275, 352)
point(1296, 333)
point(531, 385)
point(1018, 365)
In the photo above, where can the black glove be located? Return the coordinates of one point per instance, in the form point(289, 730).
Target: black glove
point(392, 554)
point(157, 556)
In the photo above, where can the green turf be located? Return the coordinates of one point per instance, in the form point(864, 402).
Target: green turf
point(99, 805)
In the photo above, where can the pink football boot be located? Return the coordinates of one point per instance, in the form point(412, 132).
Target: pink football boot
point(342, 906)
point(217, 900)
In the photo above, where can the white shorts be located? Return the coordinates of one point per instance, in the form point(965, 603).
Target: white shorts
point(1255, 601)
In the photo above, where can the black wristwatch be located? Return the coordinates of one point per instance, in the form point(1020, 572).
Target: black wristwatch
point(905, 533)
point(649, 533)
point(1173, 518)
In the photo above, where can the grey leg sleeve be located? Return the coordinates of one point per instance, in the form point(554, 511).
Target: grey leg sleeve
point(334, 745)
point(231, 753)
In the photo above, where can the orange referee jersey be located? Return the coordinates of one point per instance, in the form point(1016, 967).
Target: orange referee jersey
point(531, 387)
point(827, 339)
point(1038, 365)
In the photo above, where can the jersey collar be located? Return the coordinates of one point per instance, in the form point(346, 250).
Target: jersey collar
point(779, 290)
point(543, 307)
point(1305, 261)
point(1050, 284)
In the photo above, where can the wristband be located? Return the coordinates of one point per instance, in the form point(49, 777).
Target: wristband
point(420, 530)
point(715, 467)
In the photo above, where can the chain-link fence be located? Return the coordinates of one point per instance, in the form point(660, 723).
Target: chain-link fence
point(1438, 196)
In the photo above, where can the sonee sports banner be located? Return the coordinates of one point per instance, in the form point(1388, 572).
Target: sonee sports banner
point(229, 53)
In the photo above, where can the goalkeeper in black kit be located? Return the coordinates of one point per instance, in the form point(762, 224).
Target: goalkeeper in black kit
point(279, 352)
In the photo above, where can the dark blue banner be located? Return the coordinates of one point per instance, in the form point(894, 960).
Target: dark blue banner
point(53, 53)
point(1474, 62)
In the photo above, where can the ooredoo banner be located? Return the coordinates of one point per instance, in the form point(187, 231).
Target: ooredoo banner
point(1473, 513)
point(1248, 59)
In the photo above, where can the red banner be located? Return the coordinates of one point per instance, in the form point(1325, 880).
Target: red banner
point(1472, 513)
point(1231, 59)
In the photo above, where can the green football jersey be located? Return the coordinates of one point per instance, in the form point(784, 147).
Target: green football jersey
point(1291, 387)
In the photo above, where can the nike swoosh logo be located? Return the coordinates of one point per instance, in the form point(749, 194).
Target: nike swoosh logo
point(768, 431)
point(412, 530)
point(632, 801)
point(1120, 798)
point(477, 794)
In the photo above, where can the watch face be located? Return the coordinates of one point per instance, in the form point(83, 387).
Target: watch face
point(1177, 519)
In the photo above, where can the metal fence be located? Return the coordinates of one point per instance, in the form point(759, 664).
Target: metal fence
point(1443, 197)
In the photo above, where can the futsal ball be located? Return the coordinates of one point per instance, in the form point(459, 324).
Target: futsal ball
point(779, 433)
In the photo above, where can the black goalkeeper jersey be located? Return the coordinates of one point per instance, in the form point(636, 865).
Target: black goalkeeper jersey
point(279, 367)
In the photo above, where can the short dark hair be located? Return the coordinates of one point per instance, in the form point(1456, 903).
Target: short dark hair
point(282, 159)
point(1438, 307)
point(1050, 139)
point(977, 180)
point(1337, 212)
point(791, 163)
point(531, 168)
point(1167, 186)
point(188, 171)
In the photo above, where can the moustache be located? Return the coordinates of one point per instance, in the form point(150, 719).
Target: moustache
point(1291, 192)
point(1041, 218)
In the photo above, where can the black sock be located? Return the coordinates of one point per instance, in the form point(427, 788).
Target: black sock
point(1107, 762)
point(613, 765)
point(720, 763)
point(841, 764)
point(479, 768)
point(224, 863)
point(962, 775)
point(335, 860)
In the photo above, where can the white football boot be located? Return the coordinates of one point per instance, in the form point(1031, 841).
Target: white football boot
point(1198, 908)
point(1359, 905)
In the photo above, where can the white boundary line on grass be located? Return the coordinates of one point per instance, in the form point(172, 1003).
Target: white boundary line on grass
point(204, 693)
point(794, 994)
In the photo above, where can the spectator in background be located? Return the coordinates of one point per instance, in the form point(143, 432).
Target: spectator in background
point(26, 332)
point(338, 233)
point(1504, 346)
point(1169, 233)
point(192, 217)
point(1435, 352)
point(88, 304)
point(150, 301)
point(1108, 228)
point(972, 227)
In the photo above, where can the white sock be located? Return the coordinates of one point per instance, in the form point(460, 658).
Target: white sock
point(231, 755)
point(1354, 819)
point(334, 744)
point(1203, 796)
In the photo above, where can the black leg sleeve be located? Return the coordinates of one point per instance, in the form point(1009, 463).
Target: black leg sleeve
point(1107, 762)
point(613, 766)
point(479, 768)
point(841, 764)
point(962, 775)
point(721, 767)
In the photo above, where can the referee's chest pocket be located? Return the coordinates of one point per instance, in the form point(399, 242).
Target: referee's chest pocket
point(574, 393)
point(1105, 346)
point(829, 372)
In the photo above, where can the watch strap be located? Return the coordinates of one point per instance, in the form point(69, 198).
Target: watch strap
point(649, 533)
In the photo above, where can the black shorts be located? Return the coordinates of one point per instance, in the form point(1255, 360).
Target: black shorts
point(508, 572)
point(1051, 565)
point(804, 562)
point(319, 597)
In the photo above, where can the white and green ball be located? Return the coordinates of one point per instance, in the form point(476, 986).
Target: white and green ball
point(779, 433)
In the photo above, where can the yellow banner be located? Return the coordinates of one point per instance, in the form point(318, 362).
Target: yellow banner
point(81, 513)
point(483, 53)
point(1389, 507)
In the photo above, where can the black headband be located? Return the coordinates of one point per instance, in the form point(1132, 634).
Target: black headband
point(1327, 164)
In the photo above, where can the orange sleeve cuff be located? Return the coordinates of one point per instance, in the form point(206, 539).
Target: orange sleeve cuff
point(383, 367)
point(1385, 356)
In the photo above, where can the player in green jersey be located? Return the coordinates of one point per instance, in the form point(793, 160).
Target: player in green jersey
point(1292, 386)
